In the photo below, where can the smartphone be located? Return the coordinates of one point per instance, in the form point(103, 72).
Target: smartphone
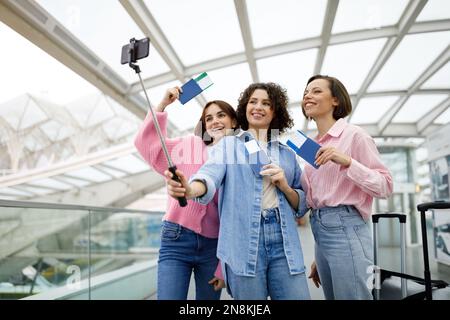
point(141, 49)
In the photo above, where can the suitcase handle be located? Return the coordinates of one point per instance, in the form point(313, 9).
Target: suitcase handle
point(400, 216)
point(433, 205)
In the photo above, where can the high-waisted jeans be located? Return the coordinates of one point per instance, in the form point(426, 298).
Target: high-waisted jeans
point(183, 251)
point(272, 277)
point(343, 252)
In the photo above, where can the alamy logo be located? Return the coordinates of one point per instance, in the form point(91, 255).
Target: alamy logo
point(374, 279)
point(73, 282)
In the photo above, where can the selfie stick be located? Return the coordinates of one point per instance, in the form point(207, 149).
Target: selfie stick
point(172, 168)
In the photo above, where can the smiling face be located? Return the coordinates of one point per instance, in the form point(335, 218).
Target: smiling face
point(318, 101)
point(217, 122)
point(259, 111)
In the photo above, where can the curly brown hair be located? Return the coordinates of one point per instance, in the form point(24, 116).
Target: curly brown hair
point(279, 101)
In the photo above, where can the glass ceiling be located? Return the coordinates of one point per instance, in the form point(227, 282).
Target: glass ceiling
point(290, 70)
point(196, 21)
point(273, 22)
point(360, 56)
point(370, 14)
point(228, 83)
point(113, 27)
point(404, 67)
point(56, 107)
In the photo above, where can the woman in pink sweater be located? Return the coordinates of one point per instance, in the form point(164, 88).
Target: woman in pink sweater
point(189, 235)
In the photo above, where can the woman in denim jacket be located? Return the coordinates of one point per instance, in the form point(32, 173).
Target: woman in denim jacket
point(258, 246)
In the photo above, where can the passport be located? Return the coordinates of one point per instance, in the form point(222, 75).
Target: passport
point(304, 147)
point(194, 87)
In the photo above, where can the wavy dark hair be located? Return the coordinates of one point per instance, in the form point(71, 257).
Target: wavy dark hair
point(338, 91)
point(279, 100)
point(225, 107)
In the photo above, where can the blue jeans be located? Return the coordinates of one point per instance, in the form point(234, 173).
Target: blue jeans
point(272, 276)
point(343, 252)
point(183, 251)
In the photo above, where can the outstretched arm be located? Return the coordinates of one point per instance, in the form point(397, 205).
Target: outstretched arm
point(183, 188)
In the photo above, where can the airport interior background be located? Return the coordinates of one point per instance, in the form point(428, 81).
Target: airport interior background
point(80, 210)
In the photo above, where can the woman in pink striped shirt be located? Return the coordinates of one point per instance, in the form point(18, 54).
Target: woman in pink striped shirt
point(189, 235)
point(341, 191)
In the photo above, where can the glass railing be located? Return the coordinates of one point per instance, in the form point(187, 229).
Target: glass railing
point(55, 251)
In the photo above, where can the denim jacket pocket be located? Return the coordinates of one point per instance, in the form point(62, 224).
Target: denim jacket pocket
point(170, 231)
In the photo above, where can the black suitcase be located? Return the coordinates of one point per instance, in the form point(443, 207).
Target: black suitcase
point(390, 285)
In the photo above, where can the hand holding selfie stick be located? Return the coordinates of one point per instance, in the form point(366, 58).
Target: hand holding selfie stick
point(134, 54)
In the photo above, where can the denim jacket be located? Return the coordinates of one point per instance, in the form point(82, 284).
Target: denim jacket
point(240, 190)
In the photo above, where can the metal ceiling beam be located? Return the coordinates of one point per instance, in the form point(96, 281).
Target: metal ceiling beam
point(104, 165)
point(35, 186)
point(289, 47)
point(327, 26)
point(428, 119)
point(403, 92)
point(242, 14)
point(407, 19)
point(385, 93)
point(432, 128)
point(152, 82)
point(438, 63)
point(430, 26)
point(217, 63)
point(30, 20)
point(72, 177)
point(59, 179)
point(139, 12)
point(213, 64)
point(35, 24)
point(102, 170)
point(23, 189)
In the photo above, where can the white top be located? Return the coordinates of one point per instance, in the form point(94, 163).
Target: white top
point(269, 192)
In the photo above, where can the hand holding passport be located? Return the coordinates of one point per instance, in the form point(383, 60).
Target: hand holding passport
point(194, 87)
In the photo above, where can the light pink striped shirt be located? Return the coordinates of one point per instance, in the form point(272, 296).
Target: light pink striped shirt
point(333, 185)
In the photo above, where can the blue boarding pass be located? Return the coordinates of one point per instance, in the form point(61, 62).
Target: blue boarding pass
point(257, 157)
point(194, 87)
point(305, 147)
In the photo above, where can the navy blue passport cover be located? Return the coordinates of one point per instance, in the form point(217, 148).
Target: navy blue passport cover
point(190, 90)
point(307, 150)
